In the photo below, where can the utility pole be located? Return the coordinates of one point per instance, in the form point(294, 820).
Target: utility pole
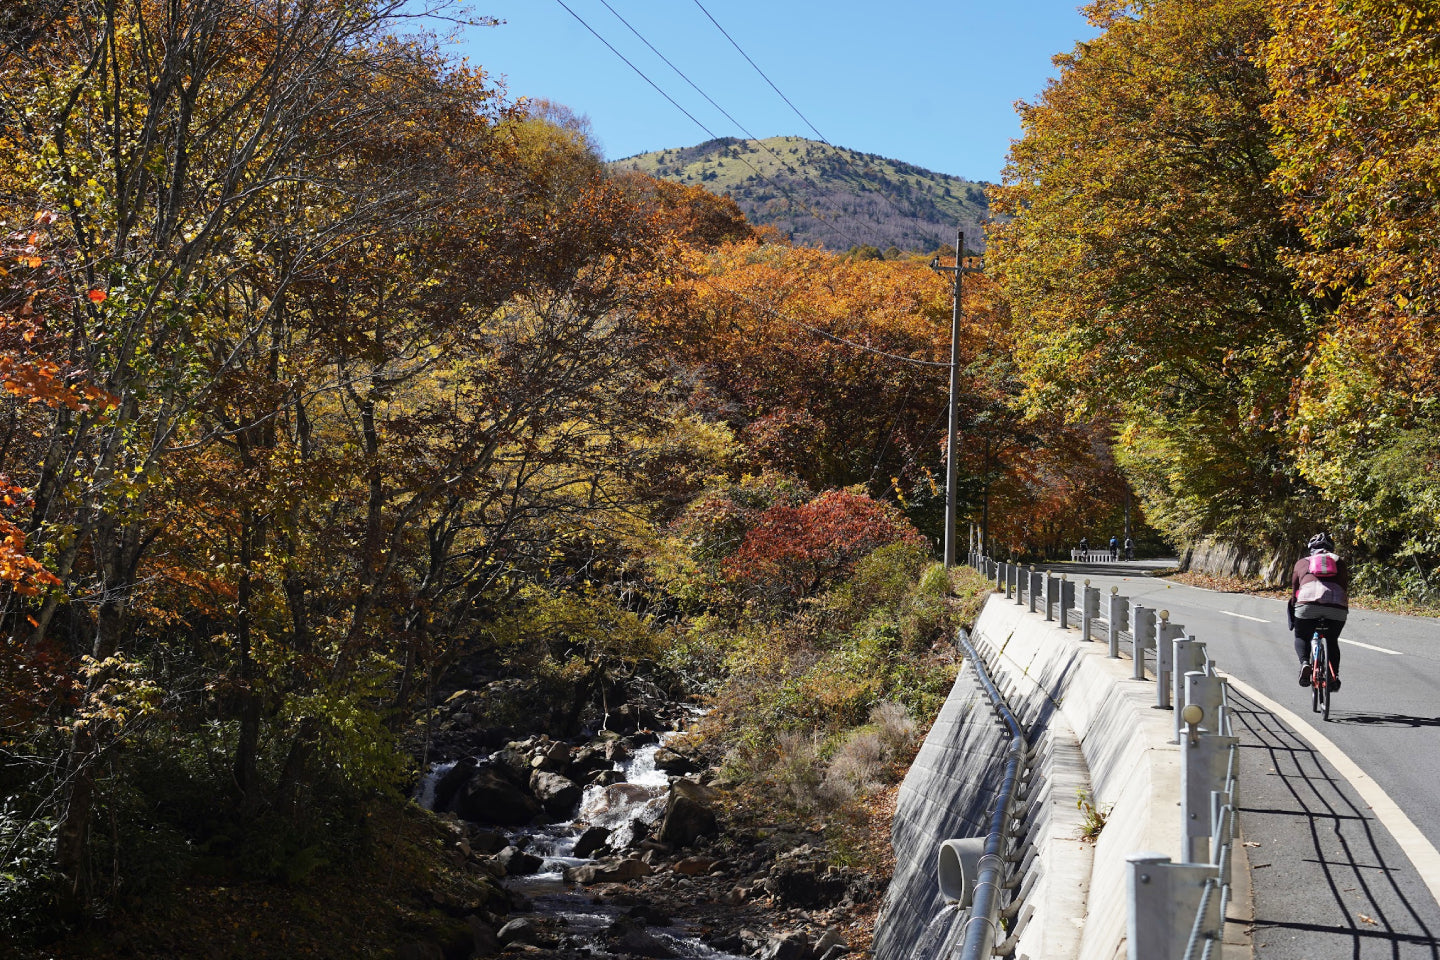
point(951, 446)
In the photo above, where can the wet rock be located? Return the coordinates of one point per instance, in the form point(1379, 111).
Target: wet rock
point(488, 841)
point(488, 797)
point(604, 778)
point(590, 759)
point(450, 783)
point(675, 764)
point(629, 836)
point(591, 842)
point(649, 914)
point(630, 717)
point(688, 814)
point(519, 930)
point(608, 871)
point(791, 946)
point(558, 795)
point(517, 862)
point(631, 939)
point(728, 943)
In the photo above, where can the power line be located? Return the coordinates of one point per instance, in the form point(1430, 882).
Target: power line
point(714, 136)
point(839, 151)
point(761, 72)
point(727, 116)
point(632, 66)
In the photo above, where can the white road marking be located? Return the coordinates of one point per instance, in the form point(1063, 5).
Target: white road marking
point(1243, 616)
point(1367, 646)
point(1419, 849)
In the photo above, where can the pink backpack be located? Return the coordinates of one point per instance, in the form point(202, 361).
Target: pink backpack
point(1327, 591)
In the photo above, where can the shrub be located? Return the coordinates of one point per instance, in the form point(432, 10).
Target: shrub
point(793, 553)
point(895, 728)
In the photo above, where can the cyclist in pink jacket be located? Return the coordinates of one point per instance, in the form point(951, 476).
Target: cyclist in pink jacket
point(1319, 600)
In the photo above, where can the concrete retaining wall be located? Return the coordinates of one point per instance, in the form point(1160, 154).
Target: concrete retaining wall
point(1222, 559)
point(1097, 727)
point(946, 794)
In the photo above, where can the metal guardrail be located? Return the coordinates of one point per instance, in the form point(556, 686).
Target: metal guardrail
point(1177, 910)
point(972, 871)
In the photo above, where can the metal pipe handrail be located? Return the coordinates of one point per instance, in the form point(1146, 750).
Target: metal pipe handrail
point(986, 902)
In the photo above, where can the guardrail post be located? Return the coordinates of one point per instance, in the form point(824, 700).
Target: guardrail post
point(999, 584)
point(1119, 618)
point(1190, 657)
point(1142, 631)
point(1204, 763)
point(1067, 600)
point(1034, 586)
point(1207, 691)
point(1049, 585)
point(1165, 898)
point(1166, 633)
point(1089, 610)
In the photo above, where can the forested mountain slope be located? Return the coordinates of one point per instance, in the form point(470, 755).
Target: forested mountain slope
point(821, 195)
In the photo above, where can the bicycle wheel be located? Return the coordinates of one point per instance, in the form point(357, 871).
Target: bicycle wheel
point(1325, 690)
point(1317, 672)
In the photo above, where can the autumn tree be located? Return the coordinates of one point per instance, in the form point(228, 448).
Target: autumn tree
point(1143, 262)
point(1357, 119)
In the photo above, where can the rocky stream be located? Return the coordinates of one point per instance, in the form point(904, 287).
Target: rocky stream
point(615, 843)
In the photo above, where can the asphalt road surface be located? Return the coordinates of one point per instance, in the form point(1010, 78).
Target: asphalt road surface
point(1336, 871)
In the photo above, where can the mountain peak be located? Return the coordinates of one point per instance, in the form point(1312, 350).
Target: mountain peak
point(822, 195)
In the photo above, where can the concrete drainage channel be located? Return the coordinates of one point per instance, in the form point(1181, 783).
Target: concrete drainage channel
point(979, 873)
point(1001, 770)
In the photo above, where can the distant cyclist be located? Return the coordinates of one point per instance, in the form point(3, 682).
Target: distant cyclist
point(1319, 600)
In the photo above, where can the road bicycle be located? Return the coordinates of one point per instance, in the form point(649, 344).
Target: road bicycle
point(1321, 676)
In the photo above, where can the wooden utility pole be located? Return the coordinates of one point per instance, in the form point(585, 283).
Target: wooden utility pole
point(951, 443)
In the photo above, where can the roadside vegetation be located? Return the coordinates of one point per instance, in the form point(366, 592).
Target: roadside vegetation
point(330, 369)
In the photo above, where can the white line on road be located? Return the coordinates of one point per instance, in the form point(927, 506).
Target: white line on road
point(1243, 616)
point(1367, 646)
point(1420, 851)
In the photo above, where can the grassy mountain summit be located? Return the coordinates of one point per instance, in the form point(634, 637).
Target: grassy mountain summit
point(820, 195)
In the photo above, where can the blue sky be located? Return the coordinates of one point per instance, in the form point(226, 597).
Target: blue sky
point(933, 84)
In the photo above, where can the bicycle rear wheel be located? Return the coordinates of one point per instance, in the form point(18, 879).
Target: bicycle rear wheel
point(1325, 690)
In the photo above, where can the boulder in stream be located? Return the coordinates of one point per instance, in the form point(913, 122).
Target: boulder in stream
point(631, 939)
point(688, 814)
point(608, 871)
point(591, 842)
point(488, 797)
point(675, 764)
point(558, 795)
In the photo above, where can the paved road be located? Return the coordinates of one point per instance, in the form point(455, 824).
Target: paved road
point(1330, 879)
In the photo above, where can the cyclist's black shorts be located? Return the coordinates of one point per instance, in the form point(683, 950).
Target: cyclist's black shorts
point(1329, 629)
